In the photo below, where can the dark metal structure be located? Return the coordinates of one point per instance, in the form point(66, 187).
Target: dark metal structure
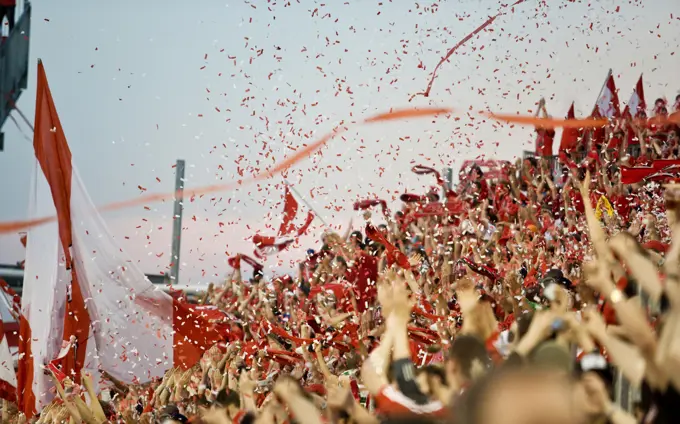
point(14, 65)
point(173, 275)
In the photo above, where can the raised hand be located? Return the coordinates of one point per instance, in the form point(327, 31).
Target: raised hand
point(598, 276)
point(594, 323)
point(585, 185)
point(415, 259)
point(339, 399)
point(298, 371)
point(402, 303)
point(246, 384)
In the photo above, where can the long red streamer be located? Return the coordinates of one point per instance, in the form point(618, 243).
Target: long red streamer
point(453, 49)
point(392, 115)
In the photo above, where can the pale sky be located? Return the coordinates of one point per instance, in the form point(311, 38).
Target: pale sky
point(235, 85)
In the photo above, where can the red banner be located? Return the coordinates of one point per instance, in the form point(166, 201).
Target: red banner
point(660, 170)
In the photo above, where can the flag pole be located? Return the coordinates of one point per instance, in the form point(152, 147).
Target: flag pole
point(178, 208)
point(316, 214)
point(23, 117)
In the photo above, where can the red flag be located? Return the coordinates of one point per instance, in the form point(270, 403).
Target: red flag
point(369, 203)
point(235, 262)
point(193, 335)
point(632, 175)
point(290, 208)
point(394, 255)
point(302, 230)
point(424, 170)
point(607, 105)
point(636, 107)
point(666, 175)
point(570, 136)
point(54, 157)
point(266, 246)
point(62, 262)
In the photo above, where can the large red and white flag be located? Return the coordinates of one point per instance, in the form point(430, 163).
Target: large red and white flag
point(82, 291)
point(636, 107)
point(607, 105)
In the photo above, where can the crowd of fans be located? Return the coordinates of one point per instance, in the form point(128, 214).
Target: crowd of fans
point(514, 299)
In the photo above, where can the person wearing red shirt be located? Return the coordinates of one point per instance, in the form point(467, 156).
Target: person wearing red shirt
point(7, 8)
point(622, 203)
point(616, 139)
point(544, 141)
point(479, 186)
point(363, 275)
point(340, 294)
point(544, 136)
point(576, 200)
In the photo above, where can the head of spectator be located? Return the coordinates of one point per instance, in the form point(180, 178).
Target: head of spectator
point(467, 361)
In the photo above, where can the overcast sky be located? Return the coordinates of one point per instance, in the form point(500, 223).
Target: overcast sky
point(232, 86)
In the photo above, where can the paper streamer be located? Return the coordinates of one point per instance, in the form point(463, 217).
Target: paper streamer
point(453, 49)
point(392, 115)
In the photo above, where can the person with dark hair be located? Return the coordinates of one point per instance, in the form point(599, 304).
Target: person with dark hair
point(384, 230)
point(401, 394)
point(227, 405)
point(475, 172)
point(432, 382)
point(676, 105)
point(544, 136)
point(468, 359)
point(356, 240)
point(339, 267)
point(171, 414)
point(258, 275)
point(659, 105)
